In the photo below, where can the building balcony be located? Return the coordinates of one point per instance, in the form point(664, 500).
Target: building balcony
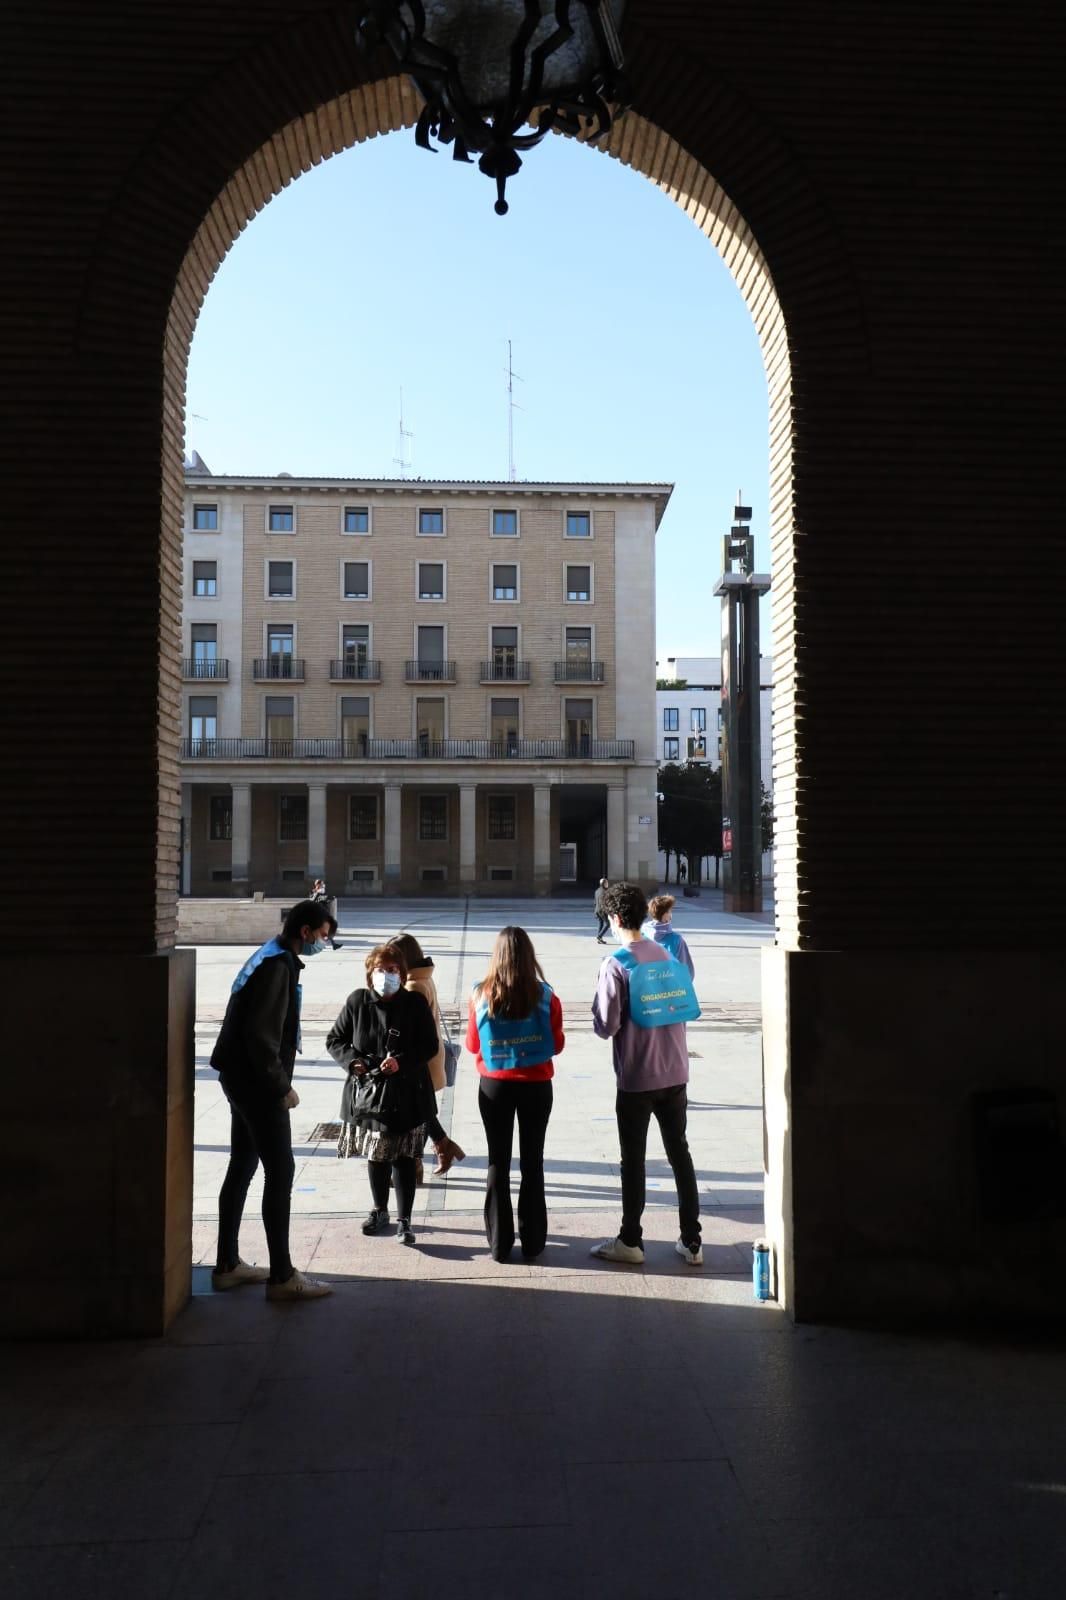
point(505, 671)
point(271, 669)
point(195, 669)
point(579, 672)
point(407, 750)
point(429, 671)
point(349, 671)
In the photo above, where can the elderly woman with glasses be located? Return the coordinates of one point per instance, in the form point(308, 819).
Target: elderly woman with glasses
point(386, 1036)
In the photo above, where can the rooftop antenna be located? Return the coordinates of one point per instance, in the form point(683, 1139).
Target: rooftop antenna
point(403, 460)
point(511, 409)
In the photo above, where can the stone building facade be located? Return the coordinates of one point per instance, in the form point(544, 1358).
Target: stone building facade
point(412, 687)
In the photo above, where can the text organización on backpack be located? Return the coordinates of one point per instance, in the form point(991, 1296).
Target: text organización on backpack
point(660, 992)
point(507, 1045)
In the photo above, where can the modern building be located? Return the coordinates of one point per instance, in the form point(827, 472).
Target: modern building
point(411, 686)
point(693, 711)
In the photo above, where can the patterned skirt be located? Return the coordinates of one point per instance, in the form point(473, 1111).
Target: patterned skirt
point(358, 1141)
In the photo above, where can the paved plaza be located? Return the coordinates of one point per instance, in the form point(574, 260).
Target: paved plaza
point(446, 1425)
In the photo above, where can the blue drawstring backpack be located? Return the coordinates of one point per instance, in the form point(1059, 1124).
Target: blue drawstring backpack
point(507, 1045)
point(660, 992)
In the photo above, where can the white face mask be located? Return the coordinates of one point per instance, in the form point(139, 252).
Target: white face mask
point(384, 983)
point(619, 935)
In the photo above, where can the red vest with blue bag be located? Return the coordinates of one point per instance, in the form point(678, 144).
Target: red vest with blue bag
point(660, 992)
point(508, 1045)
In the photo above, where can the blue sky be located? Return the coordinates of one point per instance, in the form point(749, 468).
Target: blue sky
point(387, 267)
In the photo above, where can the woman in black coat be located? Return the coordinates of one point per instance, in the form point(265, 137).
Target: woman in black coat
point(386, 1037)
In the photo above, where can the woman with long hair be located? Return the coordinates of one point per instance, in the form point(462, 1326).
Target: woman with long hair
point(385, 1037)
point(515, 1028)
point(420, 980)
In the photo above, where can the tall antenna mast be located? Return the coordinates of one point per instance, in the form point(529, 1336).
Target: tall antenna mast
point(404, 459)
point(511, 408)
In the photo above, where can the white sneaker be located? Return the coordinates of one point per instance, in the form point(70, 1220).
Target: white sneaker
point(240, 1274)
point(298, 1288)
point(693, 1256)
point(615, 1250)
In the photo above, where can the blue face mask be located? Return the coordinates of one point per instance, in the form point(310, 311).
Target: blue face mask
point(315, 948)
point(385, 983)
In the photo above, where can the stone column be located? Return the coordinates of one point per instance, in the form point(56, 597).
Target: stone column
point(186, 838)
point(393, 837)
point(316, 830)
point(616, 833)
point(467, 836)
point(241, 836)
point(542, 839)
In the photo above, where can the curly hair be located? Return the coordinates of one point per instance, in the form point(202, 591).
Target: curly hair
point(386, 955)
point(626, 902)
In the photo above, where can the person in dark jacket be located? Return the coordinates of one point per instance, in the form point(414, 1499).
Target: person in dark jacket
point(385, 1037)
point(601, 915)
point(254, 1056)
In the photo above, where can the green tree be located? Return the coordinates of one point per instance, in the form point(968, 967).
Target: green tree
point(766, 817)
point(690, 815)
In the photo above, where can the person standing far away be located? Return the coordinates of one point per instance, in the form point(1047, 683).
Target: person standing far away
point(658, 927)
point(515, 1028)
point(322, 897)
point(601, 928)
point(254, 1056)
point(420, 980)
point(651, 1069)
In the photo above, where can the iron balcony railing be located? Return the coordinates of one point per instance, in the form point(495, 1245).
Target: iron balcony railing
point(579, 672)
point(217, 669)
point(268, 669)
point(407, 750)
point(429, 671)
point(505, 671)
point(355, 671)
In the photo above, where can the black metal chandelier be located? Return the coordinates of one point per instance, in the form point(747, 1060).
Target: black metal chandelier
point(498, 75)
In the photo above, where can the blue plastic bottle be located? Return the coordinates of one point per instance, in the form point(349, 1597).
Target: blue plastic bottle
point(760, 1270)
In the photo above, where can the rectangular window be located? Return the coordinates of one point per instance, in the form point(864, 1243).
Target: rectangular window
point(579, 644)
point(670, 719)
point(501, 874)
point(433, 816)
point(356, 519)
point(504, 651)
point(355, 723)
point(431, 580)
point(670, 749)
point(699, 719)
point(579, 583)
point(281, 519)
point(281, 580)
point(280, 717)
point(362, 816)
point(221, 874)
point(205, 578)
point(503, 722)
point(431, 647)
point(292, 816)
point(430, 521)
point(429, 721)
point(579, 524)
point(504, 581)
point(280, 638)
point(203, 718)
point(357, 580)
point(505, 524)
point(578, 726)
point(220, 822)
point(205, 519)
point(501, 816)
point(205, 641)
point(355, 641)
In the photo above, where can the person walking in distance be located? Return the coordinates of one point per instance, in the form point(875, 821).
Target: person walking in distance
point(651, 1069)
point(254, 1056)
point(515, 1028)
point(420, 980)
point(601, 919)
point(659, 928)
point(322, 897)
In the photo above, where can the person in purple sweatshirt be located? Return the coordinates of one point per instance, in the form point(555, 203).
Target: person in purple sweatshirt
point(651, 1068)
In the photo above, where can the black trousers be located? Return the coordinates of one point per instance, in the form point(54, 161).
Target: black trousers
point(402, 1173)
point(260, 1131)
point(669, 1107)
point(602, 924)
point(500, 1101)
